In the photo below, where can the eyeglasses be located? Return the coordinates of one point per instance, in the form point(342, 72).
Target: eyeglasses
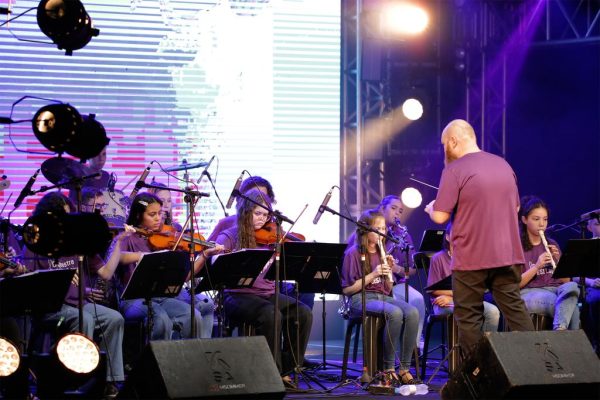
point(97, 206)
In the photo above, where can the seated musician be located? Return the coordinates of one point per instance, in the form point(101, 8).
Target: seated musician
point(442, 299)
point(203, 303)
point(255, 305)
point(169, 314)
point(96, 318)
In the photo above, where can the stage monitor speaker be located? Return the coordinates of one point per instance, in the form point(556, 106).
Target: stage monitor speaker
point(238, 367)
point(528, 365)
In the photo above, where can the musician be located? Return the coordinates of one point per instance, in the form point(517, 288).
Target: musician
point(96, 165)
point(203, 303)
point(392, 208)
point(401, 318)
point(443, 299)
point(92, 199)
point(96, 318)
point(592, 298)
point(255, 305)
point(169, 314)
point(542, 293)
point(253, 182)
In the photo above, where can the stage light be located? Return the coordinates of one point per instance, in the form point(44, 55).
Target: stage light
point(78, 353)
point(9, 358)
point(61, 128)
point(404, 19)
point(412, 109)
point(411, 197)
point(67, 23)
point(59, 235)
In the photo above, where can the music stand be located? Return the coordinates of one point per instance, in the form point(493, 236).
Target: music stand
point(37, 292)
point(159, 274)
point(238, 269)
point(580, 259)
point(433, 240)
point(443, 284)
point(316, 269)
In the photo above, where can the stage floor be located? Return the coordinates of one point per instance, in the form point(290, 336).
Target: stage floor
point(326, 382)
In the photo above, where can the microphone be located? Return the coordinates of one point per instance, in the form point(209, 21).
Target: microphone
point(235, 191)
point(591, 215)
point(207, 166)
point(322, 206)
point(4, 183)
point(26, 190)
point(140, 182)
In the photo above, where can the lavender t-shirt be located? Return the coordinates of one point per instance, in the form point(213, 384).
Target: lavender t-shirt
point(35, 262)
point(480, 190)
point(261, 287)
point(352, 271)
point(222, 225)
point(543, 277)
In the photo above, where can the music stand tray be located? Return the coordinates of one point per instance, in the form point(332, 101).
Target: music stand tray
point(315, 266)
point(238, 269)
point(433, 240)
point(581, 258)
point(37, 292)
point(444, 284)
point(159, 274)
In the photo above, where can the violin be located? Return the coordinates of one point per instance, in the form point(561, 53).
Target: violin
point(268, 235)
point(166, 239)
point(7, 263)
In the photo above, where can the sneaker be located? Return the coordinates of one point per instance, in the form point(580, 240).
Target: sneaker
point(110, 390)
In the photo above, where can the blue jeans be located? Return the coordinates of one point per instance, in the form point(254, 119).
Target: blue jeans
point(398, 314)
point(108, 323)
point(491, 315)
point(415, 299)
point(168, 313)
point(206, 307)
point(559, 302)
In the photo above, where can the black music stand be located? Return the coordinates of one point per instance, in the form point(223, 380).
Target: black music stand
point(443, 284)
point(316, 269)
point(159, 274)
point(37, 292)
point(433, 240)
point(580, 259)
point(238, 269)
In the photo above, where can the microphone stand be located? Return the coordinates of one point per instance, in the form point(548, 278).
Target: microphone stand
point(215, 190)
point(365, 377)
point(78, 184)
point(189, 198)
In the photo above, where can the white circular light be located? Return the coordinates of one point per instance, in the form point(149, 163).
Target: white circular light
point(411, 197)
point(412, 109)
point(9, 358)
point(78, 353)
point(405, 19)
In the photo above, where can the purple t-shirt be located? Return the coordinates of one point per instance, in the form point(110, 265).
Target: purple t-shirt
point(543, 277)
point(439, 267)
point(352, 271)
point(132, 243)
point(261, 287)
point(35, 262)
point(223, 224)
point(480, 190)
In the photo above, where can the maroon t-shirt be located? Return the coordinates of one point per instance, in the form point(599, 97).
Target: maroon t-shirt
point(352, 271)
point(132, 243)
point(439, 268)
point(480, 190)
point(543, 277)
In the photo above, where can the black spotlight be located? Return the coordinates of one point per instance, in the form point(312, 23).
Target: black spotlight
point(67, 23)
point(60, 128)
point(57, 235)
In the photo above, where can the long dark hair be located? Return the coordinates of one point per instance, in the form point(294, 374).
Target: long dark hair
point(245, 228)
point(54, 202)
point(254, 182)
point(528, 204)
point(367, 219)
point(138, 207)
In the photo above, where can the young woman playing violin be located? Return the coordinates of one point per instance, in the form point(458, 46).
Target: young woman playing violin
point(203, 303)
point(168, 313)
point(255, 305)
point(398, 314)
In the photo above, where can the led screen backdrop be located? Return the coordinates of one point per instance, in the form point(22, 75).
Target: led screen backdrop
point(255, 83)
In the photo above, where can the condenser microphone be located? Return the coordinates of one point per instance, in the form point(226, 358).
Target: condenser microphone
point(4, 183)
point(235, 191)
point(207, 166)
point(27, 189)
point(322, 206)
point(140, 183)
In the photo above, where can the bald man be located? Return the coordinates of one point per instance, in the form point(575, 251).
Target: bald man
point(479, 191)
